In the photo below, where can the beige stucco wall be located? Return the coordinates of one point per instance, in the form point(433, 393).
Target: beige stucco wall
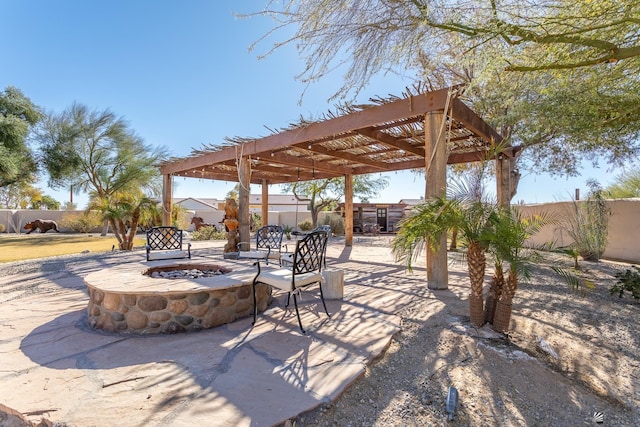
point(18, 218)
point(624, 224)
point(624, 228)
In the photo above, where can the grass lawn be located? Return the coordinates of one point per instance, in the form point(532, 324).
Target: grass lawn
point(16, 247)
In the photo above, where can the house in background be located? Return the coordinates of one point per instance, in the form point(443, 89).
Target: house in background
point(278, 203)
point(411, 203)
point(385, 215)
point(193, 204)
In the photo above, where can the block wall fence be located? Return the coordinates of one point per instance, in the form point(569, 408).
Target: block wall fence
point(624, 224)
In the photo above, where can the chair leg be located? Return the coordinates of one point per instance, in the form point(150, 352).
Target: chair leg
point(295, 302)
point(255, 299)
point(322, 298)
point(288, 300)
point(255, 304)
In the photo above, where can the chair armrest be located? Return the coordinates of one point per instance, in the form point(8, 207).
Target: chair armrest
point(240, 244)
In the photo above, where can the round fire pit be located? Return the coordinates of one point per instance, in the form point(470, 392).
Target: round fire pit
point(171, 298)
point(185, 271)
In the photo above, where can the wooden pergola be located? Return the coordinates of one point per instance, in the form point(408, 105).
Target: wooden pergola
point(429, 130)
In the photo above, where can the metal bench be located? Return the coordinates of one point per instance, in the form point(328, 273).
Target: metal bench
point(166, 243)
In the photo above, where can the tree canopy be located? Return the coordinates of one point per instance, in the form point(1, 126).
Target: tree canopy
point(625, 186)
point(17, 115)
point(97, 152)
point(559, 78)
point(323, 193)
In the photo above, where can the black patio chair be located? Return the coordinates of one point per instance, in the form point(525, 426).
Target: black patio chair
point(305, 271)
point(268, 244)
point(287, 258)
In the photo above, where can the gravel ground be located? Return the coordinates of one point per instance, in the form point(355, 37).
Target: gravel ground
point(591, 363)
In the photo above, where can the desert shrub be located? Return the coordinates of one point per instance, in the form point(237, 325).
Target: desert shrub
point(336, 222)
point(178, 217)
point(628, 281)
point(2, 228)
point(208, 233)
point(587, 224)
point(81, 223)
point(305, 225)
point(257, 220)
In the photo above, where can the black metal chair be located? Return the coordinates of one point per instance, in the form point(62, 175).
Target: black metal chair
point(305, 271)
point(287, 258)
point(268, 244)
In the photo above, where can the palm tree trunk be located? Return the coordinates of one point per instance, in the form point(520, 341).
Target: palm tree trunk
point(122, 234)
point(502, 318)
point(454, 239)
point(105, 228)
point(476, 262)
point(476, 310)
point(115, 232)
point(495, 292)
point(135, 219)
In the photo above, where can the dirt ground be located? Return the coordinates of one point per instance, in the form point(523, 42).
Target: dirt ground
point(566, 358)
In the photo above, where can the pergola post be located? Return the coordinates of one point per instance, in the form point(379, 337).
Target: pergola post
point(265, 202)
point(348, 210)
point(167, 199)
point(244, 177)
point(436, 155)
point(503, 180)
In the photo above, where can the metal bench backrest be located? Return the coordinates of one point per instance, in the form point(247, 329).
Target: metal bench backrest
point(164, 238)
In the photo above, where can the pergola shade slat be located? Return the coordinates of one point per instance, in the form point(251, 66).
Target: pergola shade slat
point(382, 138)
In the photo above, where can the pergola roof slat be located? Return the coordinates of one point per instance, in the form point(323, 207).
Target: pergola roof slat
point(386, 137)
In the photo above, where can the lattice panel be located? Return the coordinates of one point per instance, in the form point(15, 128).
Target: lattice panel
point(162, 238)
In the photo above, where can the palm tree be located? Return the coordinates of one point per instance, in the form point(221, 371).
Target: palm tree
point(508, 245)
point(434, 217)
point(475, 231)
point(124, 211)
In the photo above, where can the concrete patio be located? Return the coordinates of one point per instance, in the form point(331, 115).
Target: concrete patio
point(54, 365)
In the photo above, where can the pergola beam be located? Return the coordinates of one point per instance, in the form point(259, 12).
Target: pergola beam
point(391, 141)
point(473, 122)
point(397, 110)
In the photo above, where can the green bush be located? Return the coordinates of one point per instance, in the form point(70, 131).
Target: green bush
point(628, 281)
point(81, 223)
point(305, 225)
point(336, 222)
point(208, 233)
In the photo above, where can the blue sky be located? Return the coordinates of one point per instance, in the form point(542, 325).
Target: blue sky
point(181, 74)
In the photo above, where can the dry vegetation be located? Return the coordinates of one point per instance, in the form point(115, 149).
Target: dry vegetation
point(36, 245)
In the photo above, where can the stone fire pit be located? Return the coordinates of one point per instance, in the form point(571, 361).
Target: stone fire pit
point(135, 298)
